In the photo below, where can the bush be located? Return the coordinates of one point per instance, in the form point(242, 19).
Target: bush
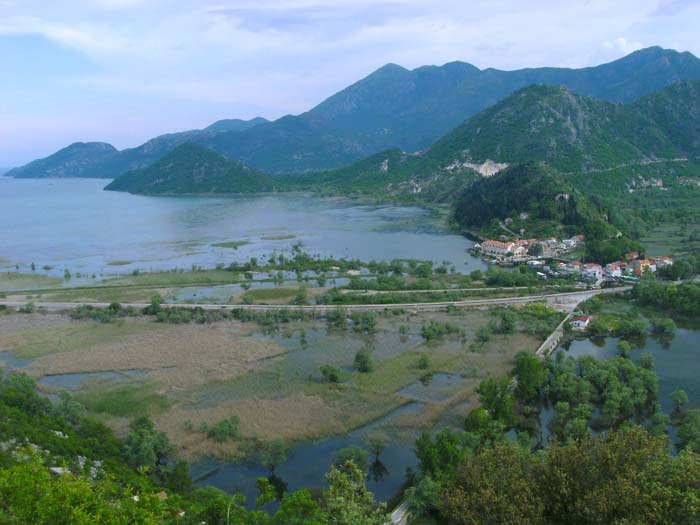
point(363, 361)
point(225, 429)
point(331, 373)
point(434, 331)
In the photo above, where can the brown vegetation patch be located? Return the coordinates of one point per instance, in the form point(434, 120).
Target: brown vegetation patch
point(178, 355)
point(294, 418)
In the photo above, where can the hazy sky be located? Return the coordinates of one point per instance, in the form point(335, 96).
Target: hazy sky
point(123, 71)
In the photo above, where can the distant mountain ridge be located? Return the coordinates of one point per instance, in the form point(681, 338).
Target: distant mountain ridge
point(110, 162)
point(395, 107)
point(72, 161)
point(538, 124)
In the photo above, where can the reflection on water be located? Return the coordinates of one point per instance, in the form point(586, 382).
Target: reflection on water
point(307, 464)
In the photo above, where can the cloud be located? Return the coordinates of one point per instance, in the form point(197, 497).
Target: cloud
point(623, 45)
point(162, 64)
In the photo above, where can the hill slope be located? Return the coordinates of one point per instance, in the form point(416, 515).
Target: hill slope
point(395, 107)
point(72, 161)
point(577, 134)
point(192, 169)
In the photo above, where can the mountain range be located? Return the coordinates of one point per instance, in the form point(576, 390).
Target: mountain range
point(566, 131)
point(391, 108)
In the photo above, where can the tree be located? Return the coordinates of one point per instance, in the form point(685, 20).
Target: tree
point(272, 454)
point(530, 374)
point(376, 443)
point(144, 445)
point(679, 398)
point(689, 431)
point(363, 361)
point(355, 455)
point(495, 396)
point(624, 349)
point(347, 501)
point(424, 362)
point(492, 487)
point(331, 373)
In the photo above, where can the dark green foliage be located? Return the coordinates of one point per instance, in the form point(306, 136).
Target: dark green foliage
point(363, 361)
point(525, 188)
point(225, 429)
point(435, 331)
point(623, 477)
point(272, 454)
point(144, 445)
point(683, 299)
point(331, 373)
point(353, 454)
point(193, 169)
point(364, 322)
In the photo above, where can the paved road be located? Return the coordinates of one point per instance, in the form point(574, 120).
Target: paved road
point(556, 299)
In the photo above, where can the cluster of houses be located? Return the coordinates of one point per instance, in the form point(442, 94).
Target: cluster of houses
point(522, 250)
point(534, 252)
point(633, 265)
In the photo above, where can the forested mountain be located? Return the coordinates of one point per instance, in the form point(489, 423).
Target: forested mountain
point(578, 134)
point(193, 169)
point(395, 107)
point(72, 161)
point(568, 132)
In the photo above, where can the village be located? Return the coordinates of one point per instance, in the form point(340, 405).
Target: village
point(551, 258)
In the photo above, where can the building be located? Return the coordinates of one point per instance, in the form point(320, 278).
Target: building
point(573, 267)
point(580, 322)
point(497, 248)
point(641, 266)
point(613, 270)
point(592, 271)
point(663, 262)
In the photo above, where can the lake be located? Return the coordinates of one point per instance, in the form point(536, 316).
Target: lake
point(72, 223)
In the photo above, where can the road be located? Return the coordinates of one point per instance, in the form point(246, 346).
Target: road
point(566, 301)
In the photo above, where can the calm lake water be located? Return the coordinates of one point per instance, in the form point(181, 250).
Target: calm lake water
point(72, 223)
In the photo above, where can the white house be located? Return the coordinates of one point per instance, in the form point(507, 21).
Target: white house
point(613, 270)
point(580, 322)
point(663, 262)
point(497, 248)
point(592, 271)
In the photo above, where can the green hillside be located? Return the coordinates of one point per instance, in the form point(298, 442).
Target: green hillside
point(533, 196)
point(568, 131)
point(193, 169)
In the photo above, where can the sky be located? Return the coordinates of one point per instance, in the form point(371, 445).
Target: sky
point(123, 71)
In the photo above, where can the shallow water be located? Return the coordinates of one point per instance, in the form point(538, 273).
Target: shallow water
point(307, 464)
point(677, 362)
point(72, 223)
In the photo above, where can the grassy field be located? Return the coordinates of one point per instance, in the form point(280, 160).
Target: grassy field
point(175, 278)
point(275, 295)
point(11, 281)
point(70, 336)
point(125, 401)
point(272, 381)
point(106, 294)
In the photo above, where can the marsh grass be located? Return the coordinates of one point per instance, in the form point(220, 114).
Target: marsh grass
point(33, 343)
point(270, 294)
point(125, 401)
point(12, 281)
point(281, 237)
point(231, 244)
